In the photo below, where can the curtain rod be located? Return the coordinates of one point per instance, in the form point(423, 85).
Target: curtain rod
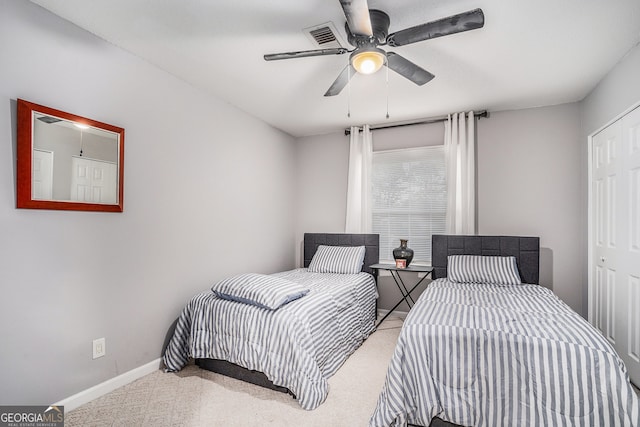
point(479, 114)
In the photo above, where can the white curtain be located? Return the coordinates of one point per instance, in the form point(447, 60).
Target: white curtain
point(459, 142)
point(359, 185)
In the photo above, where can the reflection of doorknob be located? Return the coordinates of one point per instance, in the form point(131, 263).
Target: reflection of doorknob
point(602, 259)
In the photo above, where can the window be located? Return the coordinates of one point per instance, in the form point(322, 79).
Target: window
point(409, 199)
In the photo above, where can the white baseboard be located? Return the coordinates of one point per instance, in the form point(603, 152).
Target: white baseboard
point(382, 312)
point(71, 403)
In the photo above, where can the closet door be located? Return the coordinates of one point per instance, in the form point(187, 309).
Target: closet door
point(630, 253)
point(604, 190)
point(42, 175)
point(615, 238)
point(93, 181)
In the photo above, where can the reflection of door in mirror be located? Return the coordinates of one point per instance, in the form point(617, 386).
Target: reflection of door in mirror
point(42, 179)
point(66, 140)
point(67, 162)
point(93, 181)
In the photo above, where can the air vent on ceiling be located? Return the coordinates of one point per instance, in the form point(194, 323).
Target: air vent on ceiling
point(324, 36)
point(48, 119)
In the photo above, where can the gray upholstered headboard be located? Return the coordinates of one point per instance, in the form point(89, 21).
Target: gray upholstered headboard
point(525, 249)
point(371, 242)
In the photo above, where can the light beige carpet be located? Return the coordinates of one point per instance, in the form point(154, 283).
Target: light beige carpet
point(195, 397)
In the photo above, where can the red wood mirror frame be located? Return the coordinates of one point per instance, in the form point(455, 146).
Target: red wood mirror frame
point(88, 151)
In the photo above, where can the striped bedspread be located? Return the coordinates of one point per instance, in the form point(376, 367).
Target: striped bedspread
point(502, 355)
point(298, 346)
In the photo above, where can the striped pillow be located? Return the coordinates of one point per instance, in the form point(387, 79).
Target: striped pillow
point(264, 291)
point(337, 259)
point(502, 270)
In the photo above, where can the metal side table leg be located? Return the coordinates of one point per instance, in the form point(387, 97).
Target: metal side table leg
point(403, 297)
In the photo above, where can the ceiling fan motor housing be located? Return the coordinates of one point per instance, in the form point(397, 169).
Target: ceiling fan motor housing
point(380, 26)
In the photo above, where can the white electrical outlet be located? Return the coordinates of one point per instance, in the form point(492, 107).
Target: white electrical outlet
point(99, 348)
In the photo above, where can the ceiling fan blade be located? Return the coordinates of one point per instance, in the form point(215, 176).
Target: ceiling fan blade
point(341, 81)
point(358, 19)
point(408, 69)
point(305, 53)
point(466, 21)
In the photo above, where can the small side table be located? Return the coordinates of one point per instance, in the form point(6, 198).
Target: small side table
point(406, 293)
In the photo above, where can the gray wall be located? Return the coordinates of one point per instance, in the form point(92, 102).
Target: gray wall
point(321, 185)
point(208, 192)
point(617, 91)
point(528, 183)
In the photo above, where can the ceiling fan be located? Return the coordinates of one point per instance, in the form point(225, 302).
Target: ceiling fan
point(367, 29)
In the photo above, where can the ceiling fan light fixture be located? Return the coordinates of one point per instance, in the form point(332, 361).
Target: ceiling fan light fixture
point(368, 60)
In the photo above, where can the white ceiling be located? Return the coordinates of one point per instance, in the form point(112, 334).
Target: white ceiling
point(529, 53)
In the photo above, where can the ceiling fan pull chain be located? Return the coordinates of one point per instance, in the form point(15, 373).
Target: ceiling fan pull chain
point(387, 77)
point(349, 90)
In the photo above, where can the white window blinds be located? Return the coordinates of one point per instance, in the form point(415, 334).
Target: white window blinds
point(409, 198)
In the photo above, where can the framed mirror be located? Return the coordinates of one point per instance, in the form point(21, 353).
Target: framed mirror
point(68, 162)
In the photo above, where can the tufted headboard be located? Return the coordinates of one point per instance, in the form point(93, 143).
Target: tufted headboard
point(371, 242)
point(525, 249)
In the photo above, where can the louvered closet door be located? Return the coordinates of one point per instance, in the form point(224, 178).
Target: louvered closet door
point(615, 237)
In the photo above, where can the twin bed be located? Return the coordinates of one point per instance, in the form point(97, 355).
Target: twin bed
point(479, 348)
point(294, 347)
